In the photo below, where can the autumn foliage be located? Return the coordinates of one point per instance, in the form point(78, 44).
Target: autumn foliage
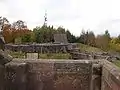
point(13, 31)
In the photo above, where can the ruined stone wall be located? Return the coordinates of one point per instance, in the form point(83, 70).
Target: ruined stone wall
point(48, 75)
point(110, 76)
point(26, 74)
point(77, 56)
point(41, 48)
point(83, 56)
point(15, 76)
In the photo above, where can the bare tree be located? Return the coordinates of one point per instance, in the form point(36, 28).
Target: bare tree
point(91, 38)
point(3, 22)
point(19, 25)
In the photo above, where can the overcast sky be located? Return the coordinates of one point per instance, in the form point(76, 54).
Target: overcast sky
point(75, 15)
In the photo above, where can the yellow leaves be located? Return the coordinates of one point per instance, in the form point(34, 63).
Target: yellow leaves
point(11, 33)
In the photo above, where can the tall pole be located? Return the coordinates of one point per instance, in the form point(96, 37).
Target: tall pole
point(45, 19)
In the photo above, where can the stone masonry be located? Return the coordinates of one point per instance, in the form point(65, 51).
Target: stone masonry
point(41, 48)
point(45, 74)
point(48, 75)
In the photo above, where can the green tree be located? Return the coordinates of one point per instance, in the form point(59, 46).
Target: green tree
point(26, 38)
point(107, 34)
point(82, 37)
point(44, 34)
point(61, 30)
point(71, 38)
point(115, 41)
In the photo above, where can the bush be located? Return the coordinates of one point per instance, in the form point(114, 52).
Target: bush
point(115, 47)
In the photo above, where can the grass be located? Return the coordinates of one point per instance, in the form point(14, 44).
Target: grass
point(54, 56)
point(43, 56)
point(17, 54)
point(117, 63)
point(88, 48)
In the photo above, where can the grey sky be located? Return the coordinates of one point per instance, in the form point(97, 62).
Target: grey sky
point(96, 15)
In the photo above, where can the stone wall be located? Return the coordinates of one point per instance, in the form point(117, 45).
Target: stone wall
point(15, 76)
point(60, 38)
point(48, 75)
point(41, 48)
point(110, 76)
point(26, 74)
point(77, 56)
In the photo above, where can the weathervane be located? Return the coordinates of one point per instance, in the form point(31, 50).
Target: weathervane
point(45, 19)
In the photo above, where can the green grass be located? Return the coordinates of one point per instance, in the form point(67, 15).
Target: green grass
point(42, 56)
point(88, 48)
point(117, 63)
point(17, 54)
point(54, 56)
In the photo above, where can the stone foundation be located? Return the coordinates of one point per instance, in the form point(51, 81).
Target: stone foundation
point(110, 76)
point(42, 48)
point(78, 56)
point(59, 75)
point(48, 75)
